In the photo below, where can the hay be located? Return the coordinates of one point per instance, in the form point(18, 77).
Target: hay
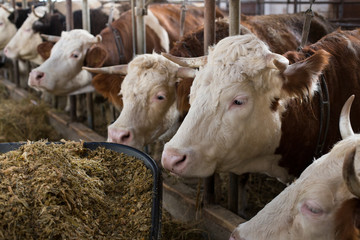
point(65, 191)
point(24, 120)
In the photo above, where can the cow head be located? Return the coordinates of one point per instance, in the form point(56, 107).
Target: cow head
point(149, 101)
point(323, 203)
point(24, 44)
point(62, 72)
point(7, 29)
point(237, 100)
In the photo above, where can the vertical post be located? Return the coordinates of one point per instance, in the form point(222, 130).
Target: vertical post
point(209, 38)
point(89, 100)
point(234, 17)
point(15, 62)
point(133, 24)
point(69, 26)
point(140, 11)
point(234, 29)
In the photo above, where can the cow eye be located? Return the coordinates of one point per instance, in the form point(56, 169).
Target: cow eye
point(74, 55)
point(312, 209)
point(239, 101)
point(160, 97)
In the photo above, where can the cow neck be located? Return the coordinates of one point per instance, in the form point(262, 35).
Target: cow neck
point(324, 104)
point(119, 44)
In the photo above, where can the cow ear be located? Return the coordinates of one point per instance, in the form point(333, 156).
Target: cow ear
point(44, 49)
point(109, 85)
point(95, 57)
point(300, 78)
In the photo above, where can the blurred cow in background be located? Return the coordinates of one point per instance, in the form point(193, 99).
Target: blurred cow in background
point(59, 73)
point(322, 204)
point(253, 110)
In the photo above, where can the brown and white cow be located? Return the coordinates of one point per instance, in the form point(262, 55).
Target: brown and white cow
point(253, 111)
point(161, 32)
point(322, 204)
point(143, 119)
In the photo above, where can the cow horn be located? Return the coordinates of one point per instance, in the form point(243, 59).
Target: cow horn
point(187, 62)
point(344, 123)
point(349, 174)
point(50, 38)
point(6, 9)
point(117, 69)
point(35, 13)
point(185, 72)
point(96, 39)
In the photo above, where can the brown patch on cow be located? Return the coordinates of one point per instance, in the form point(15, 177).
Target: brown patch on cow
point(95, 57)
point(298, 77)
point(274, 104)
point(44, 49)
point(109, 85)
point(301, 121)
point(182, 96)
point(347, 220)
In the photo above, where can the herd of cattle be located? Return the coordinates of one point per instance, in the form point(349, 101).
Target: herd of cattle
point(255, 103)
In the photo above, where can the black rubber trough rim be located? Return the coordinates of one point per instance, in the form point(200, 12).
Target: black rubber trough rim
point(156, 210)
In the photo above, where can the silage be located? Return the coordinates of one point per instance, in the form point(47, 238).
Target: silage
point(65, 191)
point(23, 120)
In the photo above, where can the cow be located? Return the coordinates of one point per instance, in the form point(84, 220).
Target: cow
point(253, 111)
point(148, 120)
point(25, 43)
point(16, 49)
point(322, 204)
point(7, 28)
point(161, 32)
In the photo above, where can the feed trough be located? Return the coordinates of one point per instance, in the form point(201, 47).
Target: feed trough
point(155, 195)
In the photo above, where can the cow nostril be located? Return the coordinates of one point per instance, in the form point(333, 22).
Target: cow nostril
point(183, 159)
point(125, 137)
point(39, 75)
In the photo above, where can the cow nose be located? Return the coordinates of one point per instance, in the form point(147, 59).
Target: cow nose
point(121, 136)
point(36, 77)
point(173, 160)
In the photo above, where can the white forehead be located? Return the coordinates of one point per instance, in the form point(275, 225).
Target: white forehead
point(73, 40)
point(232, 61)
point(149, 71)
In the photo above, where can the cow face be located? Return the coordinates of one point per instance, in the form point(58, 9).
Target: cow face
point(148, 95)
point(61, 73)
point(7, 28)
point(24, 44)
point(318, 205)
point(232, 124)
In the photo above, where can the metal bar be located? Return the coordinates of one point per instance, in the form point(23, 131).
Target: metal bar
point(209, 39)
point(133, 27)
point(86, 16)
point(234, 29)
point(90, 110)
point(234, 17)
point(140, 26)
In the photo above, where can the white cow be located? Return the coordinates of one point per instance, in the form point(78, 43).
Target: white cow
point(67, 56)
point(252, 111)
point(323, 204)
point(16, 47)
point(7, 28)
